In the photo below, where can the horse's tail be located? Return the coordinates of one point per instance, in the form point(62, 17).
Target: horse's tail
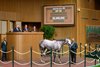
point(40, 46)
point(40, 43)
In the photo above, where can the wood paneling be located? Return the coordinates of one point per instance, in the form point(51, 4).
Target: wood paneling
point(30, 10)
point(0, 47)
point(26, 10)
point(64, 32)
point(87, 4)
point(87, 17)
point(22, 41)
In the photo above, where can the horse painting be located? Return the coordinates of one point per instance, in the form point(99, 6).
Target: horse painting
point(55, 45)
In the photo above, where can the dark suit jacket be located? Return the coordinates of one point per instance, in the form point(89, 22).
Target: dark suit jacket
point(74, 47)
point(4, 46)
point(16, 30)
point(25, 29)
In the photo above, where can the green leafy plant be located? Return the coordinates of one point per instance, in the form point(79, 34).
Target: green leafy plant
point(48, 31)
point(97, 65)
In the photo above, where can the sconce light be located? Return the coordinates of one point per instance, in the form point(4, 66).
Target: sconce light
point(78, 10)
point(85, 44)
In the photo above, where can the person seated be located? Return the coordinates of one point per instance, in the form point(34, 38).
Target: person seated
point(34, 28)
point(26, 29)
point(17, 29)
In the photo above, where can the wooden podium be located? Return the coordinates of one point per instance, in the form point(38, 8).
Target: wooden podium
point(22, 42)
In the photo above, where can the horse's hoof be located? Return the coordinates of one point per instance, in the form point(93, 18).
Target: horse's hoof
point(44, 53)
point(53, 60)
point(60, 62)
point(42, 61)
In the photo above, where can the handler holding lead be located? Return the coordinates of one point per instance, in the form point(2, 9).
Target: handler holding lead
point(73, 49)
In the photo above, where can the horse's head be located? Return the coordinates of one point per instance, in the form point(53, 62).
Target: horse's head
point(67, 41)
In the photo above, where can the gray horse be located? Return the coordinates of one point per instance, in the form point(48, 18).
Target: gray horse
point(55, 45)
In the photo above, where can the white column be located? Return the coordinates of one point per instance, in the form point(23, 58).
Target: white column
point(3, 27)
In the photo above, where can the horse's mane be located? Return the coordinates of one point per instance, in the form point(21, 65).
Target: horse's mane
point(60, 40)
point(56, 39)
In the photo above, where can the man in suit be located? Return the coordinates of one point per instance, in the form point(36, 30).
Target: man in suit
point(73, 49)
point(25, 29)
point(17, 29)
point(4, 49)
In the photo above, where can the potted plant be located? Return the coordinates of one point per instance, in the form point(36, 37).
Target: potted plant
point(48, 31)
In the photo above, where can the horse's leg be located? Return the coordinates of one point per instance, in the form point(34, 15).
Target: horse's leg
point(59, 56)
point(54, 54)
point(44, 53)
point(41, 51)
point(42, 56)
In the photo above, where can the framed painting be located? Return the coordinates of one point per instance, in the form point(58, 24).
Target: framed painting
point(61, 15)
point(93, 33)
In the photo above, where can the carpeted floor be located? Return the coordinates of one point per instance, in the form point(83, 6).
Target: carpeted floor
point(47, 59)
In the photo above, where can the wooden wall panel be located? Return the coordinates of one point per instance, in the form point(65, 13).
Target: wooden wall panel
point(0, 26)
point(98, 15)
point(0, 40)
point(22, 43)
point(30, 10)
point(64, 32)
point(86, 4)
point(92, 4)
point(24, 10)
point(58, 2)
point(87, 17)
point(0, 47)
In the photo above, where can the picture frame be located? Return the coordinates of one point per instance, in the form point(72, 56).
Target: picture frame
point(93, 33)
point(59, 15)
